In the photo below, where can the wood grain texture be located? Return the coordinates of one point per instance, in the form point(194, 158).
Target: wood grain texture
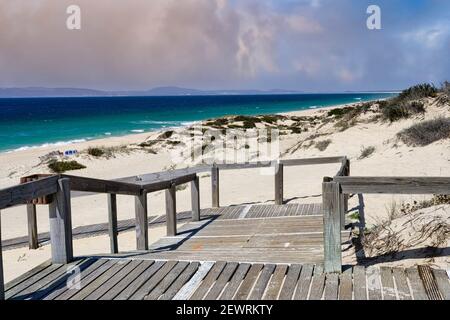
point(141, 222)
point(32, 226)
point(112, 222)
point(279, 184)
point(332, 213)
point(195, 199)
point(215, 184)
point(171, 211)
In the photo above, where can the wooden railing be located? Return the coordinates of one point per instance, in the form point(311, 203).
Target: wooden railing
point(59, 187)
point(334, 190)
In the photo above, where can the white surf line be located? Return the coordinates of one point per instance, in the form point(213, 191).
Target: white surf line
point(192, 284)
point(245, 211)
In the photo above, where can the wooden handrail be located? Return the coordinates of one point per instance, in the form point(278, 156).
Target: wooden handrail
point(102, 186)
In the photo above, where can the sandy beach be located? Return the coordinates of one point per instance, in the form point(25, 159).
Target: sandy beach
point(302, 184)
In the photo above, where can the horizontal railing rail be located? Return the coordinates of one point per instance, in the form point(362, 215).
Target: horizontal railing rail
point(335, 189)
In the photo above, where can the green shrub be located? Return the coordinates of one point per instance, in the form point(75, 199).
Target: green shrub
point(166, 135)
point(339, 112)
point(394, 112)
point(426, 132)
point(323, 145)
point(95, 151)
point(63, 166)
point(417, 92)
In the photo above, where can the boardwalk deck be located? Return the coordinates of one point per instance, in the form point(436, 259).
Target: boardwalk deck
point(113, 278)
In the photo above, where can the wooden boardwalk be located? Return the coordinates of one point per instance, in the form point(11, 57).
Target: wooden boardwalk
point(138, 279)
point(159, 220)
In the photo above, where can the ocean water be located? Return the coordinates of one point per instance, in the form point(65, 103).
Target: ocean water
point(32, 122)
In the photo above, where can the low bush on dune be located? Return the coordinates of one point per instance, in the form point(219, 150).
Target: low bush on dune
point(366, 152)
point(63, 166)
point(95, 151)
point(323, 145)
point(426, 132)
point(394, 112)
point(417, 92)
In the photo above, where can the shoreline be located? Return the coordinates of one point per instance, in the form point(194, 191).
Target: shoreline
point(133, 138)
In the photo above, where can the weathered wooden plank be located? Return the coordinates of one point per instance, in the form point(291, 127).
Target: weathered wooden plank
point(261, 284)
point(395, 185)
point(374, 283)
point(61, 224)
point(230, 290)
point(331, 286)
point(102, 186)
point(28, 191)
point(171, 211)
point(248, 282)
point(279, 184)
point(167, 281)
point(218, 286)
point(332, 207)
point(112, 222)
point(443, 283)
point(273, 289)
point(387, 282)
point(194, 282)
point(141, 222)
point(61, 291)
point(317, 283)
point(27, 274)
point(180, 281)
point(360, 286)
point(150, 269)
point(113, 280)
point(431, 287)
point(304, 282)
point(32, 226)
point(401, 282)
point(417, 287)
point(88, 288)
point(215, 187)
point(311, 161)
point(290, 282)
point(346, 285)
point(155, 279)
point(70, 275)
point(195, 199)
point(208, 281)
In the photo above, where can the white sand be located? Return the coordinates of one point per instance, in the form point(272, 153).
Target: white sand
point(302, 184)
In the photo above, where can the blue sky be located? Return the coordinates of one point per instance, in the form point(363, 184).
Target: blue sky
point(310, 45)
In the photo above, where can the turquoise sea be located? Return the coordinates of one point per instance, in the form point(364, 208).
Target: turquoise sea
point(31, 122)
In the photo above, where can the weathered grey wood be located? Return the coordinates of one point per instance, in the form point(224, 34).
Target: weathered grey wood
point(417, 287)
point(171, 211)
point(208, 281)
point(290, 282)
point(184, 179)
point(28, 191)
point(331, 286)
point(395, 185)
point(443, 283)
point(310, 161)
point(230, 290)
point(374, 283)
point(167, 281)
point(360, 286)
point(2, 281)
point(317, 284)
point(261, 284)
point(32, 226)
point(215, 187)
point(102, 186)
point(387, 282)
point(401, 282)
point(141, 222)
point(345, 286)
point(431, 287)
point(274, 286)
point(180, 281)
point(218, 286)
point(194, 282)
point(195, 199)
point(61, 224)
point(332, 212)
point(279, 183)
point(247, 284)
point(304, 282)
point(112, 222)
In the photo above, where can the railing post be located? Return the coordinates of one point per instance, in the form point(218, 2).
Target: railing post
point(2, 283)
point(112, 222)
point(171, 211)
point(332, 207)
point(279, 183)
point(195, 199)
point(347, 173)
point(141, 221)
point(32, 226)
point(61, 224)
point(215, 186)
